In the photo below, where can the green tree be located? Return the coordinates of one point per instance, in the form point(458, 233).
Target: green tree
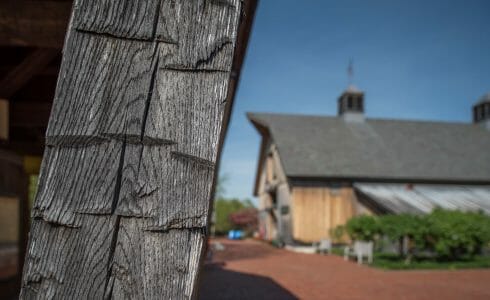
point(220, 191)
point(337, 233)
point(453, 234)
point(363, 228)
point(405, 226)
point(223, 209)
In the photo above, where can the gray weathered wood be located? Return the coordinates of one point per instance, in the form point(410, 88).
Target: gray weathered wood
point(132, 146)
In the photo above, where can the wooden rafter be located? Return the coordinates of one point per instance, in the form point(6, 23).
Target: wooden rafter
point(29, 67)
point(33, 23)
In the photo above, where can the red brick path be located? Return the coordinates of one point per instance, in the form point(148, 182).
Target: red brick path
point(254, 270)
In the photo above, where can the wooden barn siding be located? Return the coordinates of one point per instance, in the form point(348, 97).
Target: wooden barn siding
point(317, 209)
point(284, 200)
point(272, 174)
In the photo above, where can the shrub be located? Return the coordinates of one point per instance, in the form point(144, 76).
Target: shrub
point(337, 233)
point(363, 228)
point(449, 234)
point(452, 234)
point(245, 219)
point(223, 209)
point(405, 226)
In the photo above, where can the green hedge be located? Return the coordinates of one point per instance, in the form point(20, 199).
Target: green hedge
point(449, 234)
point(454, 233)
point(363, 228)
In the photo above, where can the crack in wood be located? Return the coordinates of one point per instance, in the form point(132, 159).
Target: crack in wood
point(182, 68)
point(108, 35)
point(155, 20)
point(117, 188)
point(218, 46)
point(224, 3)
point(79, 141)
point(109, 284)
point(74, 140)
point(38, 215)
point(151, 89)
point(198, 160)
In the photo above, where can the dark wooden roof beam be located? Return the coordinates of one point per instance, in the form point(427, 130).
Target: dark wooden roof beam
point(21, 74)
point(34, 23)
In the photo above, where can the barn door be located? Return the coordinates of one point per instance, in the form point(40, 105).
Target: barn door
point(13, 221)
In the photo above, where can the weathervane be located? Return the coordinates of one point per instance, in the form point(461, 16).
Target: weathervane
point(350, 72)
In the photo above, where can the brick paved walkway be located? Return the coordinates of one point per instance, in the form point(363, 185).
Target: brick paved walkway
point(254, 270)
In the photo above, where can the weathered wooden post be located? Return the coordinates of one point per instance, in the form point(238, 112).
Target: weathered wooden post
point(132, 147)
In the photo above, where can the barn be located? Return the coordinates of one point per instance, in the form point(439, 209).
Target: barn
point(317, 172)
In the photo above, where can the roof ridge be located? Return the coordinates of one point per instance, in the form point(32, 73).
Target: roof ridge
point(375, 119)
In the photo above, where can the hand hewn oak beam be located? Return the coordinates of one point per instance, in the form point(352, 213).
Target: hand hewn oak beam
point(21, 74)
point(132, 146)
point(33, 23)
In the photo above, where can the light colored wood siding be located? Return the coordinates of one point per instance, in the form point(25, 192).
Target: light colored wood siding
point(315, 210)
point(269, 168)
point(274, 196)
point(9, 220)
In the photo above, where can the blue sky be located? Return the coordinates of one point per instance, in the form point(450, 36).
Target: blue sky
point(427, 60)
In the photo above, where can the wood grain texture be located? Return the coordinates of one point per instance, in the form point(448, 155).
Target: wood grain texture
point(76, 181)
point(187, 108)
point(132, 146)
point(103, 88)
point(68, 263)
point(154, 265)
point(133, 19)
point(169, 189)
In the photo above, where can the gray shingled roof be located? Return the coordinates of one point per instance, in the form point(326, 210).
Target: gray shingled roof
point(423, 198)
point(329, 147)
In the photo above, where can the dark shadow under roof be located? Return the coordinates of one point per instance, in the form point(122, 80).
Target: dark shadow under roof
point(329, 147)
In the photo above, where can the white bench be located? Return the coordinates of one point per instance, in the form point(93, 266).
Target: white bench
point(360, 249)
point(324, 246)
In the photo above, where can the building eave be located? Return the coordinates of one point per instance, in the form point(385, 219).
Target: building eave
point(298, 180)
point(265, 134)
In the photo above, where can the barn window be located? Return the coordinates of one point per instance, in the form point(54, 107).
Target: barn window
point(349, 102)
point(335, 188)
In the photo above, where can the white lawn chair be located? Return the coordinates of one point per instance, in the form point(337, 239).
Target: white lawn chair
point(324, 246)
point(360, 249)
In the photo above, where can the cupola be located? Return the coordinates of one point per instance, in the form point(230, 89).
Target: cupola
point(351, 104)
point(481, 112)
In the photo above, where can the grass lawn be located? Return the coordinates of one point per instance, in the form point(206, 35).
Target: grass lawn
point(394, 262)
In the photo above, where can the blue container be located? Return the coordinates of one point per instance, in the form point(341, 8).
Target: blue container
point(235, 234)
